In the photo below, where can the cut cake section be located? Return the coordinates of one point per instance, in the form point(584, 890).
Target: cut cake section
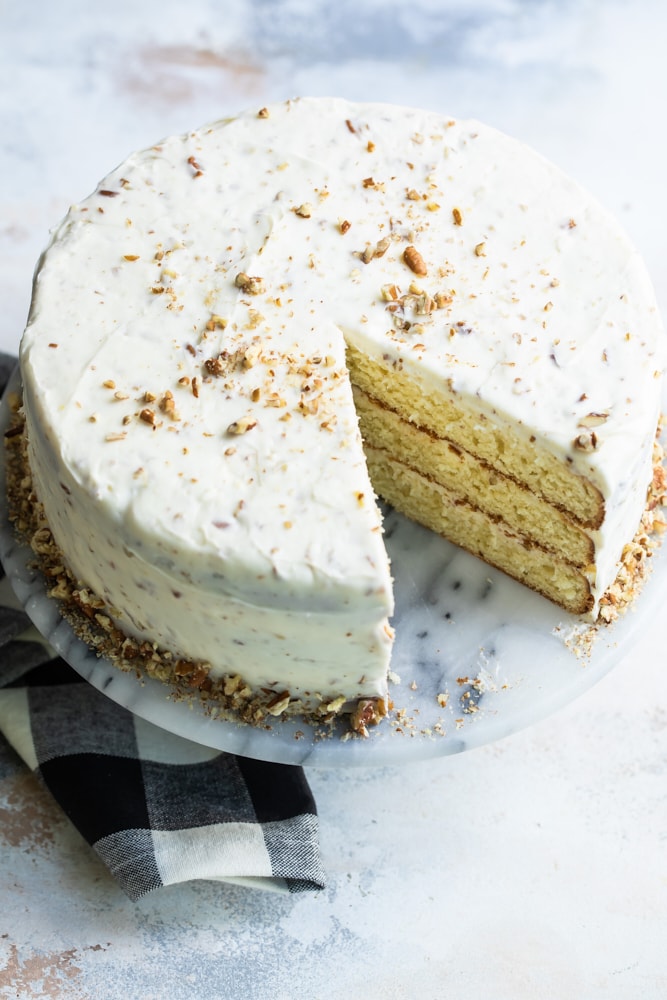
point(191, 422)
point(478, 485)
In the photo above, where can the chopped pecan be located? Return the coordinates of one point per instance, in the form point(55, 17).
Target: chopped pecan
point(415, 261)
point(249, 283)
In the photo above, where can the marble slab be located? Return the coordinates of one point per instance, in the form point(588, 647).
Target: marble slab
point(477, 657)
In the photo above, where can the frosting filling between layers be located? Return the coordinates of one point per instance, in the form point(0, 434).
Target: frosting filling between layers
point(472, 481)
point(434, 506)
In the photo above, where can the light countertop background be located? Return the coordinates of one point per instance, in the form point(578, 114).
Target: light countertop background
point(532, 868)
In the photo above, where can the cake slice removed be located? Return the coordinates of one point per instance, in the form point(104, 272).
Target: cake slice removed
point(218, 326)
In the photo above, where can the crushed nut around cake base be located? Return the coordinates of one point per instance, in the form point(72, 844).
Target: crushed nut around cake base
point(635, 560)
point(228, 697)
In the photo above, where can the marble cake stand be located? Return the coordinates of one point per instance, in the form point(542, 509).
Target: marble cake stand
point(477, 657)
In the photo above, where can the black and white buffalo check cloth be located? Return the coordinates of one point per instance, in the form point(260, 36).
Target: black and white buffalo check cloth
point(156, 808)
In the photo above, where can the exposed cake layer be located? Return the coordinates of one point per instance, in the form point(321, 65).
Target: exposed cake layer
point(491, 539)
point(511, 450)
point(468, 479)
point(501, 465)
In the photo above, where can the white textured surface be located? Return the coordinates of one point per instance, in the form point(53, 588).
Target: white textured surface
point(534, 867)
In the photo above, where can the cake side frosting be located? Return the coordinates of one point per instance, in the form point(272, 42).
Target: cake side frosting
point(184, 366)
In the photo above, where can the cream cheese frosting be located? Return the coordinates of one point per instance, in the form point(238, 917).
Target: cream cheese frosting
point(191, 425)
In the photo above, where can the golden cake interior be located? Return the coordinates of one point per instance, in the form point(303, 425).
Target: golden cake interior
point(502, 498)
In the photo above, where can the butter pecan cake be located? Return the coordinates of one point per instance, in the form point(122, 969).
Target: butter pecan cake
point(248, 332)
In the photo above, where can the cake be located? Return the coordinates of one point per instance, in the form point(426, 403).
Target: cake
point(249, 332)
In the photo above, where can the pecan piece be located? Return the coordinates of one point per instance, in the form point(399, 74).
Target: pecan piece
point(415, 261)
point(368, 712)
point(586, 442)
point(248, 283)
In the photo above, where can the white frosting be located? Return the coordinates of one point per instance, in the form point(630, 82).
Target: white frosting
point(261, 551)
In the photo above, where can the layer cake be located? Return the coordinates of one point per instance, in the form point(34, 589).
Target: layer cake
point(248, 332)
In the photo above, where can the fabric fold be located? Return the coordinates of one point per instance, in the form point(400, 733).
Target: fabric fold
point(156, 808)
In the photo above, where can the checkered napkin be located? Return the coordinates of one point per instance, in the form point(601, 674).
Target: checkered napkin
point(157, 809)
